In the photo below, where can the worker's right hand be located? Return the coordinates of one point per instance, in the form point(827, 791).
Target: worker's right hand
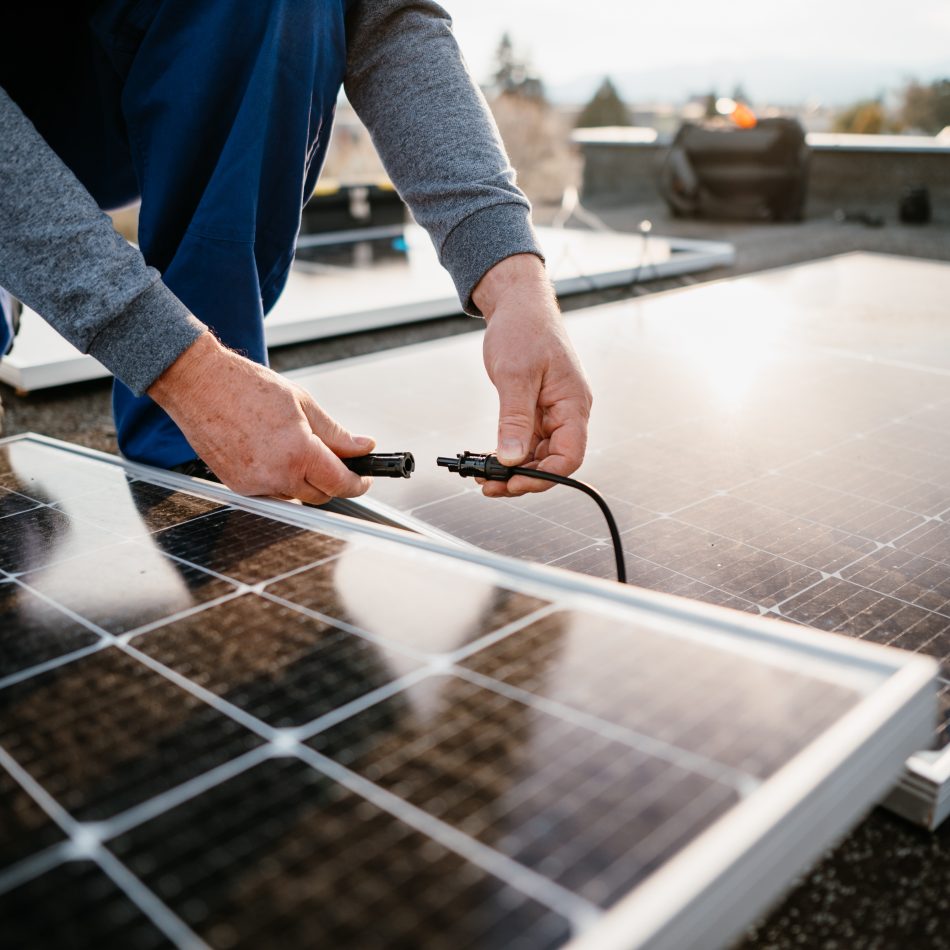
point(259, 433)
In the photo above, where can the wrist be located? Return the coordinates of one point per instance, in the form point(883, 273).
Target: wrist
point(514, 276)
point(188, 371)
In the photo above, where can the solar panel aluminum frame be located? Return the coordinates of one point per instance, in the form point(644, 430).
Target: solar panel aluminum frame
point(729, 875)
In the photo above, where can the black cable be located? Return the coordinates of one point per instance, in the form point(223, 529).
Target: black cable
point(470, 464)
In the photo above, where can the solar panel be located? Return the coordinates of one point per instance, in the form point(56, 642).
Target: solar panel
point(234, 722)
point(773, 443)
point(362, 286)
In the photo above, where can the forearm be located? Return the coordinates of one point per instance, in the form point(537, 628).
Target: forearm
point(409, 84)
point(61, 256)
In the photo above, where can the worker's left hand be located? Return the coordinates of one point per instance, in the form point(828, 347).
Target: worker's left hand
point(543, 394)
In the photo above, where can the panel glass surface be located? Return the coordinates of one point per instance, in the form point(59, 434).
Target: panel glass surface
point(774, 443)
point(219, 726)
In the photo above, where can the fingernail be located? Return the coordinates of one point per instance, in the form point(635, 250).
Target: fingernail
point(364, 440)
point(511, 451)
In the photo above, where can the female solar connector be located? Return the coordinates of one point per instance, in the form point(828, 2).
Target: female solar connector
point(382, 464)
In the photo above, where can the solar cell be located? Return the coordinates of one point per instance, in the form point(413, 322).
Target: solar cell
point(25, 828)
point(76, 904)
point(106, 732)
point(774, 443)
point(245, 723)
point(244, 546)
point(276, 663)
point(549, 793)
point(282, 853)
point(33, 631)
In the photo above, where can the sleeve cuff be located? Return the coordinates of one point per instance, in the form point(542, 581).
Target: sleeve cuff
point(146, 338)
point(483, 239)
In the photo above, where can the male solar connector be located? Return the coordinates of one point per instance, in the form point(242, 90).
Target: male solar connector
point(480, 465)
point(474, 465)
point(383, 464)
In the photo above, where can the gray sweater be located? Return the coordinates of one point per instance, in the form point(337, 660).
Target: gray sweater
point(408, 83)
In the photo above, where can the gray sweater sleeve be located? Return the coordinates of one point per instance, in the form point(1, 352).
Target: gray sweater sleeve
point(409, 84)
point(61, 256)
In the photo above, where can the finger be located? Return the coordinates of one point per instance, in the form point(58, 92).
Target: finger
point(340, 440)
point(305, 492)
point(327, 474)
point(300, 491)
point(566, 447)
point(517, 417)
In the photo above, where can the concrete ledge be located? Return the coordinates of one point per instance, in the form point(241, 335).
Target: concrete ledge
point(850, 171)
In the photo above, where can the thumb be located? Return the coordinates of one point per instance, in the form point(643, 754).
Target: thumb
point(518, 409)
point(341, 441)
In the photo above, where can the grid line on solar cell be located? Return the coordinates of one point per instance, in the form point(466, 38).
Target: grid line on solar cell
point(25, 828)
point(106, 732)
point(931, 540)
point(908, 436)
point(578, 513)
point(853, 477)
point(804, 542)
point(610, 670)
point(46, 481)
point(144, 586)
point(485, 525)
point(471, 606)
point(12, 503)
point(244, 546)
point(42, 536)
point(843, 607)
point(911, 578)
point(37, 863)
point(180, 614)
point(62, 660)
point(721, 562)
point(908, 463)
point(34, 631)
point(665, 748)
point(276, 663)
point(598, 560)
point(468, 763)
point(149, 508)
point(339, 853)
point(73, 899)
point(836, 509)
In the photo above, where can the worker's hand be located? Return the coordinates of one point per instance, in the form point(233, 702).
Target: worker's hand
point(259, 433)
point(544, 397)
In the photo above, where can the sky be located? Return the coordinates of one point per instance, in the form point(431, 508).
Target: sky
point(627, 36)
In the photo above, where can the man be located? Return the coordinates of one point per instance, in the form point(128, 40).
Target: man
point(217, 115)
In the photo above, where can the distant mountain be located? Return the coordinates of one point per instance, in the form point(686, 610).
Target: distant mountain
point(766, 80)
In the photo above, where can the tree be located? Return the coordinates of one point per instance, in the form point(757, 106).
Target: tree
point(740, 95)
point(513, 75)
point(927, 107)
point(605, 108)
point(864, 118)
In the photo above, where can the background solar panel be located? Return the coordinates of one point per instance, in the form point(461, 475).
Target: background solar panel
point(225, 727)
